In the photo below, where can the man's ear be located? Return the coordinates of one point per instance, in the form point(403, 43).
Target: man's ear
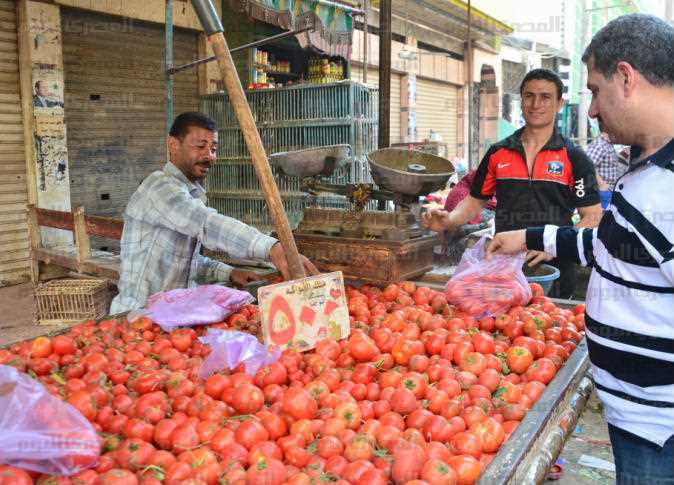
point(172, 144)
point(627, 77)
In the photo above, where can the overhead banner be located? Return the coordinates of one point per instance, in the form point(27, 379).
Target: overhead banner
point(333, 25)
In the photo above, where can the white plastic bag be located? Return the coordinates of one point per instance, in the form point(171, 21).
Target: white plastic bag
point(40, 432)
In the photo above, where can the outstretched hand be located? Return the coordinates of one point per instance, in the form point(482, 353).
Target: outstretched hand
point(510, 242)
point(278, 259)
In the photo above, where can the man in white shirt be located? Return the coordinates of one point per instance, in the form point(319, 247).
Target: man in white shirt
point(629, 317)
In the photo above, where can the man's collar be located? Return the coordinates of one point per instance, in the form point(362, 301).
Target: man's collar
point(174, 171)
point(662, 158)
point(556, 141)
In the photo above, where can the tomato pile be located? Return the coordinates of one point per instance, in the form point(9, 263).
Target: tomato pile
point(420, 393)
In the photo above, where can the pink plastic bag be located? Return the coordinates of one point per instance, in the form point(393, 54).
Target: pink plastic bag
point(230, 348)
point(40, 432)
point(487, 288)
point(194, 306)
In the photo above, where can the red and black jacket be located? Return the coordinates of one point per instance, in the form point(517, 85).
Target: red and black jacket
point(562, 179)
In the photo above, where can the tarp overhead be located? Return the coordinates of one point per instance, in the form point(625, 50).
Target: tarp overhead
point(334, 25)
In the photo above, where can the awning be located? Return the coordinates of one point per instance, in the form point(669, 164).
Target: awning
point(334, 25)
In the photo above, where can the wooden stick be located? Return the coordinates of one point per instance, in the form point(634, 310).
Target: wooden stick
point(81, 235)
point(257, 152)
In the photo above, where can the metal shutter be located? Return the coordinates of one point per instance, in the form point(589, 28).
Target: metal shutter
point(115, 105)
point(437, 110)
point(373, 80)
point(14, 244)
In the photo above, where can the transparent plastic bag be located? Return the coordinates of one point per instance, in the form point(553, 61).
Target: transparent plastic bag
point(230, 348)
point(186, 307)
point(487, 288)
point(40, 432)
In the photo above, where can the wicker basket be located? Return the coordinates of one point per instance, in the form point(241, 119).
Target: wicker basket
point(71, 301)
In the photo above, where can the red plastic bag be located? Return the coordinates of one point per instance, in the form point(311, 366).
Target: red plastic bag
point(40, 432)
point(487, 288)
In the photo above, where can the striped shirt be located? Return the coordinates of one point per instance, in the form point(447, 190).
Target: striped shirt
point(630, 301)
point(165, 224)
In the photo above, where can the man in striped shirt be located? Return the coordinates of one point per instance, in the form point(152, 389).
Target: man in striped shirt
point(630, 299)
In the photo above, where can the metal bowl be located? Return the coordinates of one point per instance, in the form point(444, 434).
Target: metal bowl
point(312, 161)
point(409, 172)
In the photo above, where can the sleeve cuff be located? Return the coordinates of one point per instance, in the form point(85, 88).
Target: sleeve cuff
point(534, 238)
point(261, 246)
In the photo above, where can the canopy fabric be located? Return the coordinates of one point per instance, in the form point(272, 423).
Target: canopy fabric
point(334, 26)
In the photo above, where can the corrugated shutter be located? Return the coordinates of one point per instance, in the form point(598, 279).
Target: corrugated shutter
point(373, 80)
point(14, 255)
point(437, 110)
point(115, 104)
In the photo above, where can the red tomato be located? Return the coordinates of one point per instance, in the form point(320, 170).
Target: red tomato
point(542, 370)
point(298, 403)
point(519, 359)
point(467, 469)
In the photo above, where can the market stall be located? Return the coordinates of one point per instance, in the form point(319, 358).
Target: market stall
point(372, 382)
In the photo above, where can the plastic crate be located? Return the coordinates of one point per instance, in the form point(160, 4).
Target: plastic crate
point(360, 134)
point(288, 119)
point(71, 301)
point(346, 99)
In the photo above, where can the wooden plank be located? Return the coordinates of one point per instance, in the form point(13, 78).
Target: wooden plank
point(104, 227)
point(25, 79)
point(55, 219)
point(81, 236)
point(12, 227)
point(15, 255)
point(13, 265)
point(13, 236)
point(95, 266)
point(16, 245)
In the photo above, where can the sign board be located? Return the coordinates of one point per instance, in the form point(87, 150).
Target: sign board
point(297, 314)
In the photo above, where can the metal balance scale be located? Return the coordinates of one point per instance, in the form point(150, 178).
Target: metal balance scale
point(374, 246)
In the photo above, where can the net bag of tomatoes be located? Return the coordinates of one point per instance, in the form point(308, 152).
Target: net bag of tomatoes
point(488, 287)
point(40, 432)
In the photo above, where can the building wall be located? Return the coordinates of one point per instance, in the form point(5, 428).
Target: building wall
point(115, 105)
point(41, 52)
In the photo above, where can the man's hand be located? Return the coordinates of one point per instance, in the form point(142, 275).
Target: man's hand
point(510, 242)
point(536, 257)
point(278, 259)
point(437, 220)
point(590, 216)
point(242, 277)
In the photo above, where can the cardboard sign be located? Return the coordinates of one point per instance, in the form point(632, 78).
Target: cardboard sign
point(298, 314)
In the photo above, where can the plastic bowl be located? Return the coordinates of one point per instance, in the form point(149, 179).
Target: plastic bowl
point(546, 280)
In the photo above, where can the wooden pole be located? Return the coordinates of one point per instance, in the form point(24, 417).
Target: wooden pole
point(366, 45)
point(469, 71)
point(257, 152)
point(384, 73)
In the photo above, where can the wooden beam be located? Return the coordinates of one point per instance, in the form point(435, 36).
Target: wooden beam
point(55, 219)
point(35, 242)
point(104, 227)
point(26, 86)
point(81, 237)
point(94, 266)
point(384, 135)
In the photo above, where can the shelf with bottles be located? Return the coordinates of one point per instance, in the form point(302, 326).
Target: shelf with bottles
point(324, 70)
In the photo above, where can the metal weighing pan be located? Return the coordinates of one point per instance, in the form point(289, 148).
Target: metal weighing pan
point(311, 162)
point(409, 172)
